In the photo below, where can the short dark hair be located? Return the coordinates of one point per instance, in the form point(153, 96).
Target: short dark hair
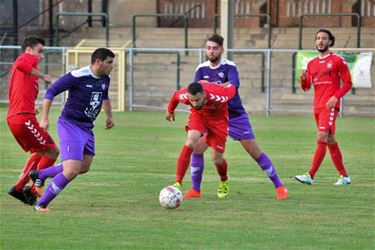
point(330, 36)
point(32, 41)
point(195, 88)
point(101, 54)
point(216, 39)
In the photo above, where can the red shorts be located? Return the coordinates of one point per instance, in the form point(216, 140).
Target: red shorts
point(216, 131)
point(31, 137)
point(326, 120)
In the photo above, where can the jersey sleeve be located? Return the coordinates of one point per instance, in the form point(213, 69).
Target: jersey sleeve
point(177, 97)
point(219, 93)
point(306, 83)
point(233, 77)
point(198, 75)
point(106, 95)
point(61, 85)
point(346, 79)
point(25, 64)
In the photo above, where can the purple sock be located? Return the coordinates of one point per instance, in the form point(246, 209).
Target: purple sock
point(196, 169)
point(50, 171)
point(266, 165)
point(57, 184)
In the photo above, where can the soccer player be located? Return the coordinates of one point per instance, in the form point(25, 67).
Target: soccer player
point(209, 112)
point(325, 72)
point(21, 117)
point(221, 71)
point(88, 93)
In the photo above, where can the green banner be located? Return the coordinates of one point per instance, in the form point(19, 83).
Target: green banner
point(359, 66)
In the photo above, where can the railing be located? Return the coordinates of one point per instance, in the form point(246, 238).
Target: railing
point(300, 39)
point(186, 25)
point(216, 17)
point(50, 7)
point(328, 15)
point(186, 13)
point(262, 87)
point(151, 51)
point(103, 15)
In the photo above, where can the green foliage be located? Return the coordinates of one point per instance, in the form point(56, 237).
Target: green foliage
point(115, 205)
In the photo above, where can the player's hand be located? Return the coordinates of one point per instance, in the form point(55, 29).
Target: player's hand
point(332, 102)
point(47, 78)
point(303, 74)
point(109, 123)
point(203, 81)
point(169, 116)
point(44, 124)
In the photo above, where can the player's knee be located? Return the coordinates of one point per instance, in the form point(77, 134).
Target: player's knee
point(191, 143)
point(84, 170)
point(322, 136)
point(331, 139)
point(218, 160)
point(52, 153)
point(56, 152)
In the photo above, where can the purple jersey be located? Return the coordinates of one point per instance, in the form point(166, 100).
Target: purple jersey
point(226, 71)
point(86, 95)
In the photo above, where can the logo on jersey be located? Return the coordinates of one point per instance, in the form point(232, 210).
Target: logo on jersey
point(183, 96)
point(93, 110)
point(329, 64)
point(103, 86)
point(221, 74)
point(206, 77)
point(218, 98)
point(35, 132)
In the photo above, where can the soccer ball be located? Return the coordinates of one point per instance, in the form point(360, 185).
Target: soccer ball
point(170, 197)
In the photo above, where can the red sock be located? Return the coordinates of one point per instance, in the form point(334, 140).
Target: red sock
point(45, 162)
point(320, 152)
point(24, 178)
point(183, 163)
point(222, 170)
point(337, 158)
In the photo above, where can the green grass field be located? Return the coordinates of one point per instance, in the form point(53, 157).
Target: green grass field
point(115, 205)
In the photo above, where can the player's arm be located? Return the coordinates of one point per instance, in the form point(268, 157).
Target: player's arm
point(305, 79)
point(107, 107)
point(58, 87)
point(26, 66)
point(219, 93)
point(177, 97)
point(45, 77)
point(44, 122)
point(233, 77)
point(198, 75)
point(108, 111)
point(346, 79)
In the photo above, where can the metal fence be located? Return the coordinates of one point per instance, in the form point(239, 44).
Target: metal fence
point(145, 78)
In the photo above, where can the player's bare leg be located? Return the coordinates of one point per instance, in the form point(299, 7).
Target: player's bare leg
point(72, 168)
point(185, 155)
point(266, 165)
point(337, 159)
point(197, 168)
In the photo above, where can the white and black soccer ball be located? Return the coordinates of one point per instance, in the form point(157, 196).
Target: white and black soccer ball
point(170, 197)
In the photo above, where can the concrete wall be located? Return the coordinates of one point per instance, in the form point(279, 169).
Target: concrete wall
point(122, 11)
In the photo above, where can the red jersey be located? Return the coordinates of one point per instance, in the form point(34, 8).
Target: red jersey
point(325, 74)
point(23, 87)
point(216, 106)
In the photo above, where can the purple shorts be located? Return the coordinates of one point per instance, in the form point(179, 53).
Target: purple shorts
point(239, 128)
point(75, 141)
